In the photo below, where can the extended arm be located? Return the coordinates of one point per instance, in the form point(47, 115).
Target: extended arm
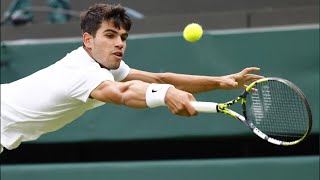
point(195, 83)
point(132, 91)
point(133, 94)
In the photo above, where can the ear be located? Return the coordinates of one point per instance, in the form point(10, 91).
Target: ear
point(87, 40)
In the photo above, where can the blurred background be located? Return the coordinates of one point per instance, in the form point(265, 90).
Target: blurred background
point(114, 142)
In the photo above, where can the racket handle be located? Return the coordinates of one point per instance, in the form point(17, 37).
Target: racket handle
point(206, 107)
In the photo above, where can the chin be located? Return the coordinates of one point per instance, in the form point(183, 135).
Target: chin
point(113, 67)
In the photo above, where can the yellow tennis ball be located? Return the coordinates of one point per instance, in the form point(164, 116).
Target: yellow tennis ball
point(192, 32)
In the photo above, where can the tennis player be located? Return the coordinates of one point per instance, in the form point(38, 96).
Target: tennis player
point(95, 74)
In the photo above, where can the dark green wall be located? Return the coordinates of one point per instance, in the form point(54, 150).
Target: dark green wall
point(290, 53)
point(293, 168)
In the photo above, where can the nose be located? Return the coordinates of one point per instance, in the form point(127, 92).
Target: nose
point(119, 42)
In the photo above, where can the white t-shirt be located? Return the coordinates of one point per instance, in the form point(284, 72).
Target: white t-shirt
point(52, 97)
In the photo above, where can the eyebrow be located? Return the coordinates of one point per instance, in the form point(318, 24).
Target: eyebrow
point(116, 32)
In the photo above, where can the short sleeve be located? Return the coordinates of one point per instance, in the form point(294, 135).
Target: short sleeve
point(83, 84)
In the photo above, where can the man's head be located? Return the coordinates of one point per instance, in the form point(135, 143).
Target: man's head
point(104, 31)
point(92, 18)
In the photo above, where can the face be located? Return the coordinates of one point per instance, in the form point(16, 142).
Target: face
point(108, 46)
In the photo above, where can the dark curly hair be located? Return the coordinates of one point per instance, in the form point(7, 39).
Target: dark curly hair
point(91, 19)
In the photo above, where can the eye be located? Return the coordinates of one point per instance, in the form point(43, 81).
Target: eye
point(110, 35)
point(124, 37)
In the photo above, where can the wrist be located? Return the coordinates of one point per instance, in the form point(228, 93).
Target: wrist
point(156, 93)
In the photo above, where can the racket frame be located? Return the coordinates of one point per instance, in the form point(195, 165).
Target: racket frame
point(223, 108)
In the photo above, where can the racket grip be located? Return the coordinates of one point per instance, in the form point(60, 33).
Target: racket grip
point(205, 107)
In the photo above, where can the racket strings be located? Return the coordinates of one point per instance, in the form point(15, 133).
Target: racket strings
point(278, 111)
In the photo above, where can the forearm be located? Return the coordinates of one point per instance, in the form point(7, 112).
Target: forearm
point(131, 93)
point(136, 94)
point(197, 83)
point(189, 83)
point(192, 83)
point(139, 94)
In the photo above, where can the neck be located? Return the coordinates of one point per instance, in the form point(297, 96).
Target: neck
point(87, 50)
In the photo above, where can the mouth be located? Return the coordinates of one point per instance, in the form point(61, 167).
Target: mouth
point(118, 54)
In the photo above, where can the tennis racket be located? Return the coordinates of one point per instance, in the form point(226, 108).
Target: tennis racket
point(273, 108)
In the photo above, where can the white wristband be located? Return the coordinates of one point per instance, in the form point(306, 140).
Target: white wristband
point(156, 93)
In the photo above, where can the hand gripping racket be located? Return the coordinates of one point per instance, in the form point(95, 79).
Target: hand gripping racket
point(273, 108)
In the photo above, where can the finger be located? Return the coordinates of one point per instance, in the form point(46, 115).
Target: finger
point(250, 70)
point(179, 110)
point(191, 97)
point(230, 83)
point(252, 89)
point(253, 77)
point(183, 108)
point(190, 108)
